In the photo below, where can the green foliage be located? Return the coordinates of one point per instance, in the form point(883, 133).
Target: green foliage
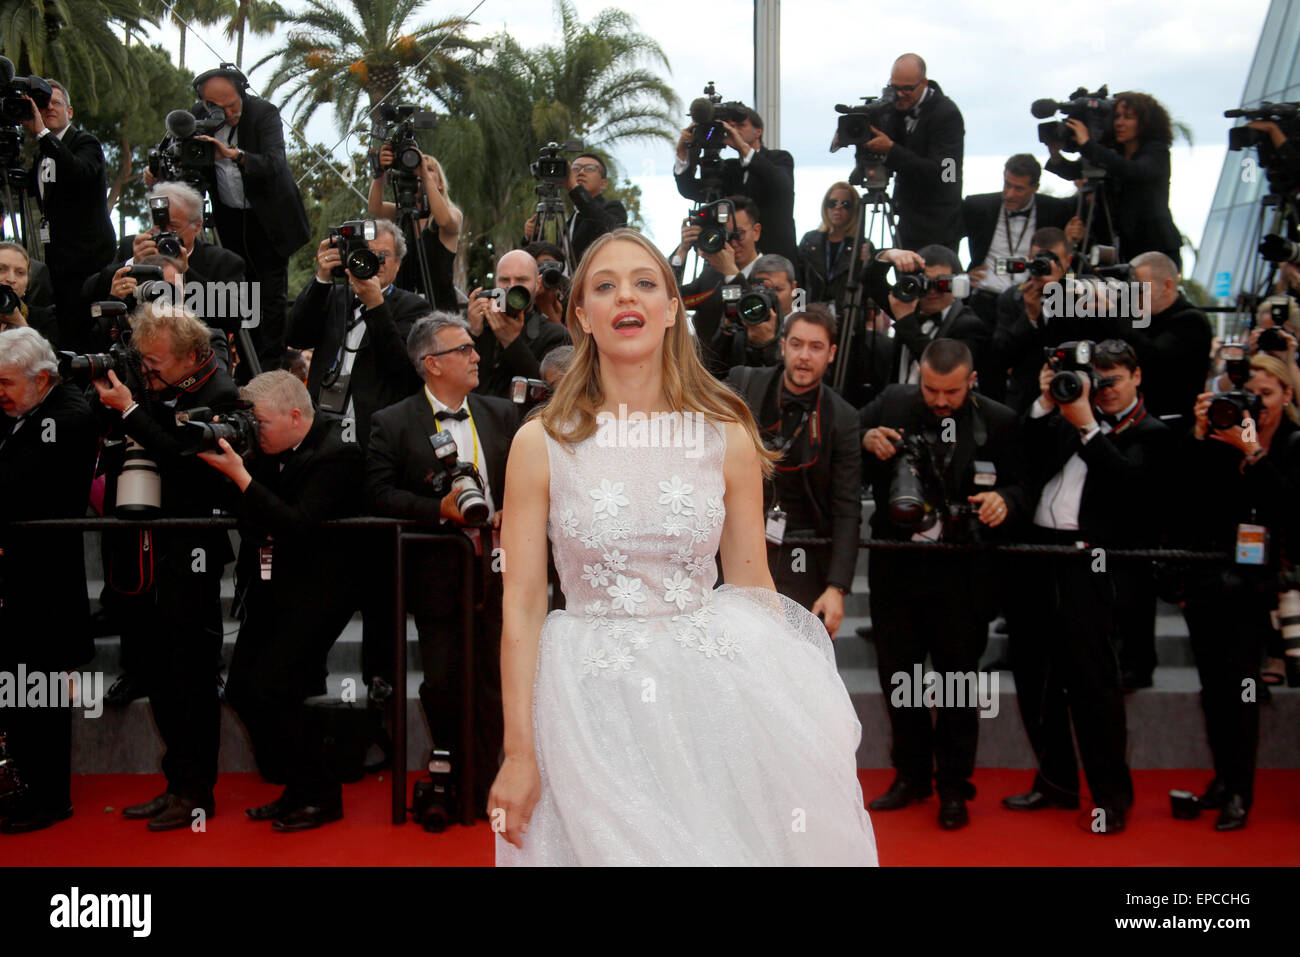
point(328, 201)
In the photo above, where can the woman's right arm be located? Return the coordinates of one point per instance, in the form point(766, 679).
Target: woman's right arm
point(1150, 164)
point(375, 205)
point(523, 539)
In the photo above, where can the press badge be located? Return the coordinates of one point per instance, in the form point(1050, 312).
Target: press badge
point(776, 520)
point(264, 561)
point(334, 397)
point(44, 231)
point(1252, 545)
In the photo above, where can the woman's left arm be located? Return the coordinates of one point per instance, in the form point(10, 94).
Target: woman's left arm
point(744, 544)
point(1150, 164)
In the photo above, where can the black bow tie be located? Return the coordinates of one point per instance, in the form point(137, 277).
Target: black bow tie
point(1111, 420)
point(460, 415)
point(1012, 213)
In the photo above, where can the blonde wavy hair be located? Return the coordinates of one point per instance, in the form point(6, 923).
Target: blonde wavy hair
point(852, 226)
point(1272, 365)
point(570, 415)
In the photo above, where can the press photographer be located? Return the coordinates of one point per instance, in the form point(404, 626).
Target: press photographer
point(15, 285)
point(825, 252)
point(410, 462)
point(511, 335)
point(923, 141)
point(171, 612)
point(553, 294)
point(944, 464)
point(593, 215)
point(302, 472)
point(817, 484)
point(69, 182)
point(355, 320)
point(1095, 457)
point(48, 443)
point(256, 206)
point(766, 176)
point(752, 319)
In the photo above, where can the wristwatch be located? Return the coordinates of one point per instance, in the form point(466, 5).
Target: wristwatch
point(239, 159)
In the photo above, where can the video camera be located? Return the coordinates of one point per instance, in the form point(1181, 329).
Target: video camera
point(206, 429)
point(1281, 179)
point(1096, 111)
point(1040, 264)
point(13, 108)
point(1070, 361)
point(395, 128)
point(461, 478)
point(708, 113)
point(352, 240)
point(714, 220)
point(1230, 409)
point(179, 156)
point(751, 306)
point(913, 285)
point(708, 138)
point(853, 128)
point(552, 168)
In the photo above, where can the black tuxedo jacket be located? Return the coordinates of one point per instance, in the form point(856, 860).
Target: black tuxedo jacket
point(900, 407)
point(382, 372)
point(591, 219)
point(833, 483)
point(523, 357)
point(269, 186)
point(962, 322)
point(208, 263)
point(45, 472)
point(769, 182)
point(1120, 503)
point(75, 204)
point(311, 566)
point(1174, 352)
point(400, 458)
point(927, 169)
point(981, 217)
point(703, 294)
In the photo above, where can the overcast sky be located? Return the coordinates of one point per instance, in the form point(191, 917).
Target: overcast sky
point(993, 60)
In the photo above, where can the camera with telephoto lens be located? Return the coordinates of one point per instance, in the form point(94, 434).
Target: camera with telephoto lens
point(433, 801)
point(853, 128)
point(714, 220)
point(10, 301)
point(751, 306)
point(1283, 177)
point(13, 107)
point(516, 300)
point(352, 240)
point(525, 391)
point(121, 358)
point(1071, 361)
point(916, 496)
point(180, 156)
point(1279, 249)
point(1096, 111)
point(552, 275)
point(913, 285)
point(1230, 409)
point(459, 478)
point(168, 242)
point(1040, 264)
point(205, 430)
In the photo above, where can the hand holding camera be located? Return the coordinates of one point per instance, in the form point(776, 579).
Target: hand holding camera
point(1076, 411)
point(882, 442)
point(229, 463)
point(112, 392)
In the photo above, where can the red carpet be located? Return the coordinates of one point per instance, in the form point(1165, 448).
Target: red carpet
point(97, 834)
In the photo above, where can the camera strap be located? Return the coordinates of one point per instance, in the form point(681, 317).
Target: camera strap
point(195, 380)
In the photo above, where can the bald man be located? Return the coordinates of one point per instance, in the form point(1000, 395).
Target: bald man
point(511, 342)
point(923, 142)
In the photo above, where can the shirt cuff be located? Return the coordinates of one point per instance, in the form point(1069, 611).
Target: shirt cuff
point(322, 281)
point(1039, 410)
point(680, 167)
point(744, 160)
point(42, 133)
point(1087, 433)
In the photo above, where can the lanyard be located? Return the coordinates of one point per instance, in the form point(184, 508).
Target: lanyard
point(1006, 221)
point(473, 432)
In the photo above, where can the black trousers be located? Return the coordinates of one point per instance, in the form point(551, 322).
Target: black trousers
point(280, 660)
point(1135, 614)
point(239, 232)
point(176, 630)
point(1227, 631)
point(377, 608)
point(1060, 620)
point(39, 741)
point(71, 311)
point(435, 601)
point(801, 577)
point(922, 605)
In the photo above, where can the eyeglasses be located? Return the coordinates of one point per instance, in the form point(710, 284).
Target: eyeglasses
point(903, 88)
point(586, 167)
point(839, 204)
point(464, 350)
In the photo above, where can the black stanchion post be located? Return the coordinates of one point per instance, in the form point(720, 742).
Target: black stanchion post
point(397, 702)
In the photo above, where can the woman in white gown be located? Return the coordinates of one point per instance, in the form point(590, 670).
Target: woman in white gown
point(658, 720)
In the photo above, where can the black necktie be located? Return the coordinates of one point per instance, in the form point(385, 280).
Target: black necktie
point(459, 416)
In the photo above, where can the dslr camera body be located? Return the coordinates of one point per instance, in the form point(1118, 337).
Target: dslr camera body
point(913, 285)
point(168, 242)
point(750, 305)
point(715, 220)
point(238, 427)
point(917, 495)
point(1040, 264)
point(1230, 409)
point(460, 478)
point(352, 240)
point(395, 128)
point(1071, 361)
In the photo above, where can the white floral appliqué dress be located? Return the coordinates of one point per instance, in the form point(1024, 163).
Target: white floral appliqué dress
point(676, 724)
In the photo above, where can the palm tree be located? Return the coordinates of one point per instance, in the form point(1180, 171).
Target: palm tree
point(335, 53)
point(182, 13)
point(259, 17)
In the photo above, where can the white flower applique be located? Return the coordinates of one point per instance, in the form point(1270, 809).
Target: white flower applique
point(626, 595)
point(568, 523)
point(673, 525)
point(596, 611)
point(609, 497)
point(677, 590)
point(596, 575)
point(620, 659)
point(715, 512)
point(677, 496)
point(593, 662)
point(614, 560)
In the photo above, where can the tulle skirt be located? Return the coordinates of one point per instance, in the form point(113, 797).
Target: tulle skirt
point(723, 737)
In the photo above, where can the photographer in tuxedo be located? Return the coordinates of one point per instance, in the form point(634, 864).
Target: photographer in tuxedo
point(35, 304)
point(763, 175)
point(48, 444)
point(938, 603)
point(818, 481)
point(402, 468)
point(511, 342)
point(737, 343)
point(69, 183)
point(1096, 461)
point(593, 215)
point(172, 620)
point(1002, 226)
point(923, 143)
point(299, 588)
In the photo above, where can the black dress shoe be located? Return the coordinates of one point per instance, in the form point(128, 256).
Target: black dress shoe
point(307, 816)
point(269, 812)
point(123, 691)
point(900, 794)
point(1233, 815)
point(179, 813)
point(1216, 795)
point(27, 821)
point(140, 812)
point(1111, 821)
point(952, 813)
point(1036, 800)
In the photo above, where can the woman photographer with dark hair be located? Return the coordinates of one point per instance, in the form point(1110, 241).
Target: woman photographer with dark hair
point(1135, 157)
point(1244, 502)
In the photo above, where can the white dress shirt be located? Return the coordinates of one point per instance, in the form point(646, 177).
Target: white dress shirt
point(230, 179)
point(1063, 494)
point(469, 445)
point(1020, 229)
point(47, 171)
